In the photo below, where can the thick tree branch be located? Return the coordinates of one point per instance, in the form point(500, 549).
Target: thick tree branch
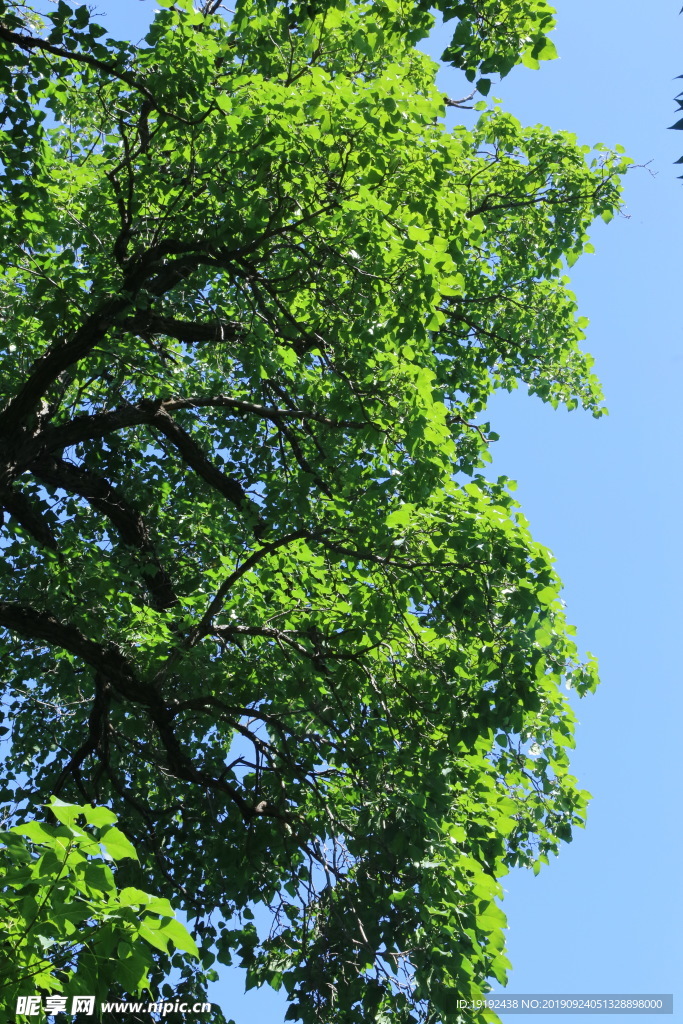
point(151, 413)
point(64, 353)
point(31, 43)
point(183, 767)
point(197, 460)
point(108, 500)
point(268, 412)
point(190, 332)
point(32, 624)
point(282, 635)
point(113, 669)
point(95, 739)
point(21, 509)
point(55, 361)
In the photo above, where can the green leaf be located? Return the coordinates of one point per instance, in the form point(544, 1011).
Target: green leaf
point(180, 936)
point(116, 845)
point(99, 816)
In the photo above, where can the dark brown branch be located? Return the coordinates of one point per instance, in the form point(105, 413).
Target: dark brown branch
point(211, 7)
point(283, 635)
point(477, 328)
point(152, 413)
point(63, 354)
point(472, 426)
point(197, 460)
point(183, 768)
point(204, 625)
point(55, 361)
point(30, 43)
point(318, 654)
point(462, 103)
point(91, 426)
point(268, 412)
point(32, 624)
point(106, 499)
point(21, 509)
point(190, 332)
point(305, 342)
point(113, 668)
point(156, 414)
point(552, 196)
point(95, 740)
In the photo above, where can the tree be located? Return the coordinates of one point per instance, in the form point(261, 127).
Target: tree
point(257, 596)
point(66, 928)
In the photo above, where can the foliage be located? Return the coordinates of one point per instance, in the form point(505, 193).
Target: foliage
point(490, 36)
point(493, 35)
point(65, 926)
point(257, 595)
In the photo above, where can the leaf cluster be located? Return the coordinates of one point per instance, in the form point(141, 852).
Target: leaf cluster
point(66, 927)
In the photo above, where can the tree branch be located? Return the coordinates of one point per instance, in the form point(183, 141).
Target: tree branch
point(38, 625)
point(21, 509)
point(58, 358)
point(94, 741)
point(204, 625)
point(151, 413)
point(106, 499)
point(30, 43)
point(188, 331)
point(197, 460)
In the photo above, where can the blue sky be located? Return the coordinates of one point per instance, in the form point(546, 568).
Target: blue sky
point(606, 496)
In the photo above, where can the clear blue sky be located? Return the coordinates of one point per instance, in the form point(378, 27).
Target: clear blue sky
point(606, 497)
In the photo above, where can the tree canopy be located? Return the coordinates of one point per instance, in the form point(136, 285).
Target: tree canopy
point(257, 596)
